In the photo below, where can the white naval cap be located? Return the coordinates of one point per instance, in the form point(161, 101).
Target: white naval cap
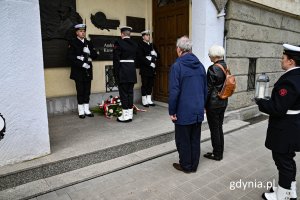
point(80, 27)
point(291, 50)
point(146, 32)
point(125, 28)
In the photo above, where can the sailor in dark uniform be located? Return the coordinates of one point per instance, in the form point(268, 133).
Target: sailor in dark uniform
point(124, 56)
point(283, 134)
point(147, 56)
point(81, 52)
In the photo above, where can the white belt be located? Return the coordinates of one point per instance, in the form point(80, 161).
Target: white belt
point(293, 112)
point(131, 61)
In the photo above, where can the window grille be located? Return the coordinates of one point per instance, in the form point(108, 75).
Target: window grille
point(251, 74)
point(110, 79)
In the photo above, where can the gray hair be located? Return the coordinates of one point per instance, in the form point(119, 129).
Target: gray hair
point(216, 51)
point(184, 43)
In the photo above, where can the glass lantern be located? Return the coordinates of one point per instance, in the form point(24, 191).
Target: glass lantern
point(262, 86)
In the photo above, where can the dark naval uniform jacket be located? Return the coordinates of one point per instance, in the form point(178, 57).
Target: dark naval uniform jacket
point(144, 49)
point(283, 134)
point(78, 73)
point(124, 61)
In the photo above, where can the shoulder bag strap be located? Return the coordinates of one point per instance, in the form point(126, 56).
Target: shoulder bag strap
point(220, 66)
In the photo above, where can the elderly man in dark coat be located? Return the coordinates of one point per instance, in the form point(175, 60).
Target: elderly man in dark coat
point(187, 96)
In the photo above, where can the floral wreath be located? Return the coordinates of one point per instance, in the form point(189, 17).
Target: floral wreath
point(111, 107)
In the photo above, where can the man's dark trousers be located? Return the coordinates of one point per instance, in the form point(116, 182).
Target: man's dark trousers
point(126, 95)
point(286, 166)
point(187, 138)
point(147, 85)
point(83, 89)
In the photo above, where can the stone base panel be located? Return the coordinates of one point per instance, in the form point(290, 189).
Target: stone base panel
point(67, 104)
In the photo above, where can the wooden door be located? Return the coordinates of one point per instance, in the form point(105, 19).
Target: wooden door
point(170, 21)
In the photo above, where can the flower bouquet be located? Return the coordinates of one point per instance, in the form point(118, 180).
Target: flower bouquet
point(111, 107)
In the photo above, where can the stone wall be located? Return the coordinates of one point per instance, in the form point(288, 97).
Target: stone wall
point(256, 31)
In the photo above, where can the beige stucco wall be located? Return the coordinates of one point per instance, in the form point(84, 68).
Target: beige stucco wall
point(57, 79)
point(289, 6)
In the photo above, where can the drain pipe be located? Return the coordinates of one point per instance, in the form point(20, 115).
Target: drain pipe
point(223, 14)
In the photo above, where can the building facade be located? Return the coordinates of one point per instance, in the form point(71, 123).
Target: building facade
point(255, 32)
point(251, 31)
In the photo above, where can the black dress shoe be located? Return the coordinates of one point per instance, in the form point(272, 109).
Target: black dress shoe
point(179, 168)
point(208, 154)
point(213, 157)
point(124, 121)
point(81, 116)
point(151, 104)
point(147, 105)
point(89, 115)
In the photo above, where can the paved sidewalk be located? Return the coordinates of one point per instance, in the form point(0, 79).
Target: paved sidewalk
point(247, 163)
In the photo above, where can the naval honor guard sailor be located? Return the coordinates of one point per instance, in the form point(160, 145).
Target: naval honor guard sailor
point(147, 56)
point(81, 52)
point(283, 134)
point(124, 56)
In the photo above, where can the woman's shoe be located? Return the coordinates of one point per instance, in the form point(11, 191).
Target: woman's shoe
point(208, 154)
point(213, 157)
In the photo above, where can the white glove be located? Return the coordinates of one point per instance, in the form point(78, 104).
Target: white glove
point(152, 65)
point(153, 53)
point(85, 65)
point(149, 57)
point(86, 50)
point(80, 58)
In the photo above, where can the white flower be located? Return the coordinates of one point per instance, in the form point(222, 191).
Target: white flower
point(118, 100)
point(110, 110)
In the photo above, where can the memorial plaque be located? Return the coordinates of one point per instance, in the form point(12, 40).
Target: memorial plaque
point(100, 21)
point(58, 18)
point(136, 23)
point(55, 53)
point(104, 45)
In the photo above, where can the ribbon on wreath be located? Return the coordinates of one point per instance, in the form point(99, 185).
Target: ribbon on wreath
point(138, 109)
point(114, 101)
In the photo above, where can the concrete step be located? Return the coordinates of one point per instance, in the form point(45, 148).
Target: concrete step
point(31, 173)
point(122, 158)
point(75, 146)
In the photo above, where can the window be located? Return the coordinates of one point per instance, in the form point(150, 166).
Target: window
point(161, 3)
point(251, 74)
point(110, 79)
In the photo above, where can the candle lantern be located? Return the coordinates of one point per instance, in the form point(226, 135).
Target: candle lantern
point(262, 86)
